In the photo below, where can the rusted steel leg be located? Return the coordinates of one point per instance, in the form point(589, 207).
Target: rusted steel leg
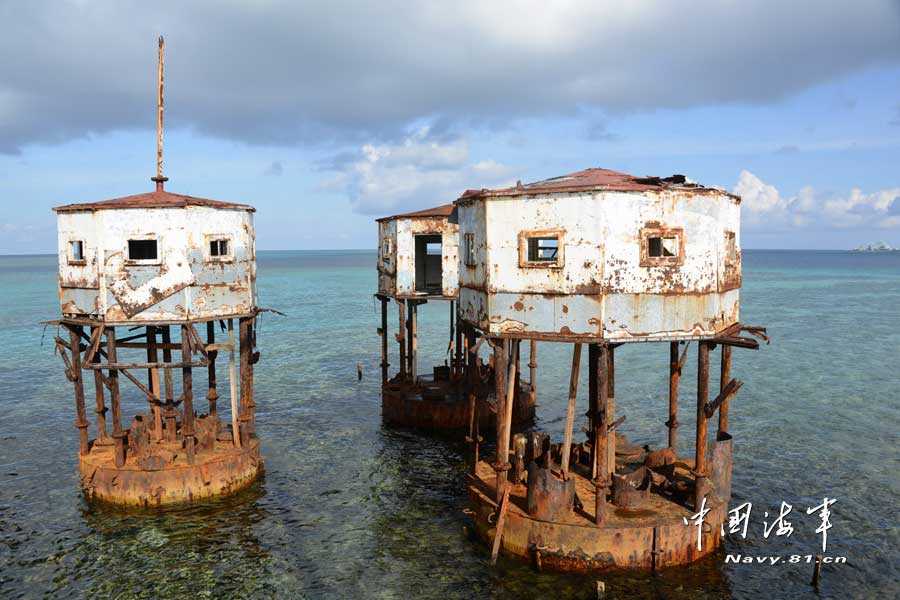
point(81, 421)
point(187, 379)
point(611, 409)
point(401, 338)
point(213, 394)
point(511, 379)
point(384, 341)
point(458, 351)
point(701, 486)
point(506, 416)
point(570, 409)
point(233, 388)
point(674, 377)
point(532, 365)
point(414, 340)
point(409, 340)
point(247, 402)
point(115, 400)
point(452, 342)
point(472, 438)
point(171, 425)
point(515, 394)
point(501, 463)
point(98, 393)
point(153, 383)
point(601, 433)
point(723, 381)
point(593, 353)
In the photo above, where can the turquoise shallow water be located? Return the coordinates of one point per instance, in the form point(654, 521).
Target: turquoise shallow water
point(349, 508)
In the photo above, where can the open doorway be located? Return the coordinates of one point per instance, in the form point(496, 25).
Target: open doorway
point(428, 264)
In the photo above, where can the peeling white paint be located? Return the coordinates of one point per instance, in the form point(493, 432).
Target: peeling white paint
point(603, 288)
point(184, 283)
point(397, 255)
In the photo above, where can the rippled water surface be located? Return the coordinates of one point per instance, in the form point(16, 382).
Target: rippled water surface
point(349, 508)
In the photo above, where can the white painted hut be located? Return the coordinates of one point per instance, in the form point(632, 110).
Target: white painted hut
point(156, 257)
point(418, 255)
point(599, 254)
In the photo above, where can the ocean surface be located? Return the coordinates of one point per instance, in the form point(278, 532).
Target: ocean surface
point(351, 509)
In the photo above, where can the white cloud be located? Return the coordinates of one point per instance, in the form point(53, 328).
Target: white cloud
point(419, 172)
point(763, 205)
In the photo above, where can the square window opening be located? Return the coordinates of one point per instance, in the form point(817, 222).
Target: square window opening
point(731, 246)
point(218, 248)
point(543, 249)
point(386, 249)
point(76, 249)
point(142, 250)
point(662, 247)
point(433, 248)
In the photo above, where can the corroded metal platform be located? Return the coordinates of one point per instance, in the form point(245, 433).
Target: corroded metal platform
point(650, 534)
point(162, 474)
point(440, 406)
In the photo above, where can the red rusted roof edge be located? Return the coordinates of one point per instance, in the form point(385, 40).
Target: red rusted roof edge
point(153, 200)
point(599, 180)
point(444, 210)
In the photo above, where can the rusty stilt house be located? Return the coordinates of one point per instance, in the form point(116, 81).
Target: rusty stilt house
point(609, 260)
point(146, 283)
point(418, 262)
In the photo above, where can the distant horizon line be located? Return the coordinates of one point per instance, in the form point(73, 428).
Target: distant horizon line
point(375, 250)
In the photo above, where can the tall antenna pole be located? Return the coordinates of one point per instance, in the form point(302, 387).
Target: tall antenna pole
point(159, 179)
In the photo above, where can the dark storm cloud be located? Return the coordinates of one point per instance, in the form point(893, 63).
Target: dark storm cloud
point(283, 72)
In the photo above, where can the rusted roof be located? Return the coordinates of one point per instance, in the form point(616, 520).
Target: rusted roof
point(444, 210)
point(593, 180)
point(157, 199)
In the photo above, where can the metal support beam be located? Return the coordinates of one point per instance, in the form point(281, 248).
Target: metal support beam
point(700, 473)
point(81, 421)
point(171, 425)
point(570, 409)
point(600, 470)
point(724, 378)
point(247, 402)
point(401, 337)
point(414, 341)
point(213, 394)
point(501, 463)
point(187, 380)
point(674, 378)
point(115, 399)
point(100, 402)
point(153, 383)
point(611, 408)
point(384, 341)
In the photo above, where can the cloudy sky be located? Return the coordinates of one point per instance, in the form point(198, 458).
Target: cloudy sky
point(326, 115)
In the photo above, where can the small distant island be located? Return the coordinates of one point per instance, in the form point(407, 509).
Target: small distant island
point(876, 247)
